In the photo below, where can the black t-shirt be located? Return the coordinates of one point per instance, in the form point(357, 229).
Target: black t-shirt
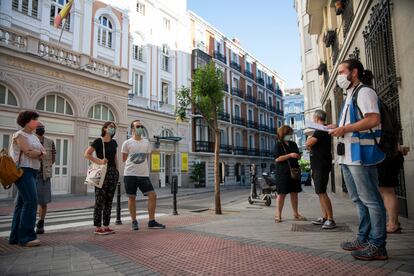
point(110, 150)
point(283, 149)
point(320, 155)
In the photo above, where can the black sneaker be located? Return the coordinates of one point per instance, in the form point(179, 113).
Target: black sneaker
point(370, 253)
point(155, 225)
point(135, 225)
point(354, 245)
point(319, 221)
point(40, 227)
point(329, 224)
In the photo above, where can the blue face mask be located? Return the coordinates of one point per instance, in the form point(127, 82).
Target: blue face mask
point(139, 131)
point(111, 131)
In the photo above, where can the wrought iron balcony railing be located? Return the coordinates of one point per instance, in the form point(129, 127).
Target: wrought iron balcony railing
point(238, 121)
point(204, 146)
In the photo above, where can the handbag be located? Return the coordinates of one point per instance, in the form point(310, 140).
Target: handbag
point(10, 172)
point(96, 173)
point(294, 172)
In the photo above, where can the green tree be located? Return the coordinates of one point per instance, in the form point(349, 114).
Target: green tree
point(206, 96)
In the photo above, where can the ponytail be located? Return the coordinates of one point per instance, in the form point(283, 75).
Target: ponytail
point(365, 76)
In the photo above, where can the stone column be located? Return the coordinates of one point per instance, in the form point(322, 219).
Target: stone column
point(45, 20)
point(87, 23)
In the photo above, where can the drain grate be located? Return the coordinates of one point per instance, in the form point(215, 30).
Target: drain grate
point(318, 228)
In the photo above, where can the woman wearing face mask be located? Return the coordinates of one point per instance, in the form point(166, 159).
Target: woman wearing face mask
point(286, 157)
point(105, 195)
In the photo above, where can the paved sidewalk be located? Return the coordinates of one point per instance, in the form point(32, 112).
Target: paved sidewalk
point(243, 241)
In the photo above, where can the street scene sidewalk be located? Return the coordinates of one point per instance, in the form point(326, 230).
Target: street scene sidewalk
point(245, 240)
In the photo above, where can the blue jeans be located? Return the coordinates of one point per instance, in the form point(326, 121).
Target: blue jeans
point(362, 185)
point(24, 216)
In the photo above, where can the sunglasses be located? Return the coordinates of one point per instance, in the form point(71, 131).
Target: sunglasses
point(138, 126)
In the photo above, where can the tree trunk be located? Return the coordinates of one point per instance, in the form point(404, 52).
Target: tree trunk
point(216, 170)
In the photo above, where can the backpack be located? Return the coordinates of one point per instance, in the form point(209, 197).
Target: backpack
point(9, 171)
point(390, 128)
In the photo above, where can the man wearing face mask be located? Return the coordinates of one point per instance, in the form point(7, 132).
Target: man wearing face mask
point(359, 131)
point(136, 152)
point(44, 193)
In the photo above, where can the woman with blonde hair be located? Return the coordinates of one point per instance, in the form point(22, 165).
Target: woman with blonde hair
point(287, 172)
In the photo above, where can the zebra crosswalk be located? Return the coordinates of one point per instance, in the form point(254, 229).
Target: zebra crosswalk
point(59, 220)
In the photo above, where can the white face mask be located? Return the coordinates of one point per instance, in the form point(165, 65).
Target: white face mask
point(343, 81)
point(287, 138)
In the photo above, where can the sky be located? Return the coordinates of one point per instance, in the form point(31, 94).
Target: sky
point(266, 28)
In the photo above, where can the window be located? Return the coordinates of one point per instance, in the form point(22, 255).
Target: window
point(238, 139)
point(272, 125)
point(261, 97)
point(166, 133)
point(101, 112)
point(55, 8)
point(248, 67)
point(54, 103)
point(138, 52)
point(138, 84)
point(223, 137)
point(7, 97)
point(307, 39)
point(270, 102)
point(218, 47)
point(251, 142)
point(250, 115)
point(27, 7)
point(165, 58)
point(249, 90)
point(165, 92)
point(236, 83)
point(237, 110)
point(166, 23)
point(235, 57)
point(261, 119)
point(140, 8)
point(105, 32)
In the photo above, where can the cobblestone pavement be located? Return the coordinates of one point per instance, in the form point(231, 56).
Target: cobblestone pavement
point(243, 241)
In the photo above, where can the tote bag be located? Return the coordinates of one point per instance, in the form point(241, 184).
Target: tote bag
point(96, 173)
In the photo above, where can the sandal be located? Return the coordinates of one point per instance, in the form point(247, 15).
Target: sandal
point(397, 230)
point(278, 219)
point(299, 218)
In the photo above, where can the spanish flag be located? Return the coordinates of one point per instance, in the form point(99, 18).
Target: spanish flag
point(63, 13)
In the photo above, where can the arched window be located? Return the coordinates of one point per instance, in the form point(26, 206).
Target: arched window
point(101, 112)
point(6, 96)
point(54, 103)
point(27, 7)
point(165, 58)
point(105, 32)
point(55, 8)
point(166, 133)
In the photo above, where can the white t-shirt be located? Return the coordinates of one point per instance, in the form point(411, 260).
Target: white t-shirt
point(138, 152)
point(25, 161)
point(368, 103)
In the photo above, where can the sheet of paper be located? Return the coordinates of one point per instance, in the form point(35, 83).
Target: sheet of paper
point(316, 126)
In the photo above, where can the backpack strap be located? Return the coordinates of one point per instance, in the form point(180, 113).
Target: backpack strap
point(355, 103)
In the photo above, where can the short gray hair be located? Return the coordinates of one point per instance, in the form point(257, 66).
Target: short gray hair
point(320, 114)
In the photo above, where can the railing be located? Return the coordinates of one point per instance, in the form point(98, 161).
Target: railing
point(250, 99)
point(270, 86)
point(224, 116)
point(260, 80)
point(239, 150)
point(347, 17)
point(204, 146)
point(237, 92)
point(13, 40)
point(249, 74)
point(263, 127)
point(261, 103)
point(253, 152)
point(201, 58)
point(238, 120)
point(227, 149)
point(220, 56)
point(235, 66)
point(59, 55)
point(104, 69)
point(252, 124)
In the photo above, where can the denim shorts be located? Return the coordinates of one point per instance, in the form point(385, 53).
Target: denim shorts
point(133, 183)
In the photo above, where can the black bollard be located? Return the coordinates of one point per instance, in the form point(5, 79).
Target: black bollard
point(174, 188)
point(118, 204)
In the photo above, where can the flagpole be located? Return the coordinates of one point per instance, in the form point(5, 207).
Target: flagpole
point(63, 27)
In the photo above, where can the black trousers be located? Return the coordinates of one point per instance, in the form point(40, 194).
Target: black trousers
point(104, 197)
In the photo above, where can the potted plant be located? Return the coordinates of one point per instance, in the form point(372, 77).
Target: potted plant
point(321, 68)
point(339, 6)
point(197, 173)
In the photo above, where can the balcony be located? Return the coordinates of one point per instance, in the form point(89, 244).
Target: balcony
point(263, 127)
point(270, 86)
point(270, 107)
point(253, 152)
point(260, 80)
point(220, 56)
point(265, 153)
point(239, 150)
point(226, 87)
point(239, 121)
point(201, 58)
point(279, 92)
point(250, 99)
point(235, 66)
point(204, 146)
point(252, 124)
point(261, 103)
point(226, 149)
point(249, 74)
point(224, 116)
point(237, 92)
point(279, 112)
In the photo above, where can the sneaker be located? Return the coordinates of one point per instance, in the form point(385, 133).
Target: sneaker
point(371, 252)
point(109, 230)
point(100, 231)
point(32, 243)
point(135, 225)
point(354, 245)
point(155, 225)
point(319, 221)
point(329, 224)
point(40, 227)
